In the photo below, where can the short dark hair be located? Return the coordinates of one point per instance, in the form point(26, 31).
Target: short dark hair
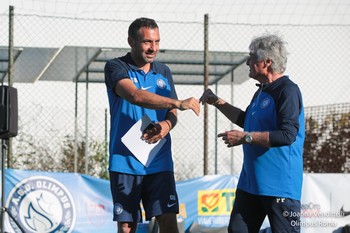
point(139, 23)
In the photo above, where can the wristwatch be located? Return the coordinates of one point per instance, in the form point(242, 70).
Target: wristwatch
point(248, 138)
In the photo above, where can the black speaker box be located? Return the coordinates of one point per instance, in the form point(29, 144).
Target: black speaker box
point(8, 112)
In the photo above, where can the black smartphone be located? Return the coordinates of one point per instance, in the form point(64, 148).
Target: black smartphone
point(149, 127)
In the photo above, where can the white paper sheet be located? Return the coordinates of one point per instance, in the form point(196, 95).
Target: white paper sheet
point(143, 151)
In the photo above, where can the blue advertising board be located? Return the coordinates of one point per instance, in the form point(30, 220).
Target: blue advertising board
point(70, 202)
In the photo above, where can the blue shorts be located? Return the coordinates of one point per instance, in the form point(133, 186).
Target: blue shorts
point(156, 191)
point(249, 212)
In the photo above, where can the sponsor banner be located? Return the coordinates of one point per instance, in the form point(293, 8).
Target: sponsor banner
point(207, 200)
point(68, 202)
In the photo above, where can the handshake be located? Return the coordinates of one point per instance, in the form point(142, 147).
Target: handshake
point(232, 137)
point(192, 103)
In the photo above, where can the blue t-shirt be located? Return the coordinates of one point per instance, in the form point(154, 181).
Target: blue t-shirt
point(276, 171)
point(123, 114)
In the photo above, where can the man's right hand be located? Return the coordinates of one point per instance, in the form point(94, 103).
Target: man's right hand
point(190, 103)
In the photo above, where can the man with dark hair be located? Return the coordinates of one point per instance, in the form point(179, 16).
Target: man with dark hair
point(137, 85)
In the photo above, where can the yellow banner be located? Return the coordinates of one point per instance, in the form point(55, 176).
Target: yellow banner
point(215, 202)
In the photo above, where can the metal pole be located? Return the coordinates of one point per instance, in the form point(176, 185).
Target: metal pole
point(10, 64)
point(232, 100)
point(216, 133)
point(87, 124)
point(8, 147)
point(3, 149)
point(76, 129)
point(206, 77)
point(10, 75)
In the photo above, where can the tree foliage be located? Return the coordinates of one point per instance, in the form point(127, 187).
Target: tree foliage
point(327, 144)
point(31, 154)
point(97, 161)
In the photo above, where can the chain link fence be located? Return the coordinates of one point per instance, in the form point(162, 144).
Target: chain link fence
point(327, 146)
point(65, 123)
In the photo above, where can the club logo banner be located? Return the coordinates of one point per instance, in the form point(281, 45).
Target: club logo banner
point(41, 204)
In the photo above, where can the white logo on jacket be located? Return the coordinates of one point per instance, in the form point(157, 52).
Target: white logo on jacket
point(160, 83)
point(265, 103)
